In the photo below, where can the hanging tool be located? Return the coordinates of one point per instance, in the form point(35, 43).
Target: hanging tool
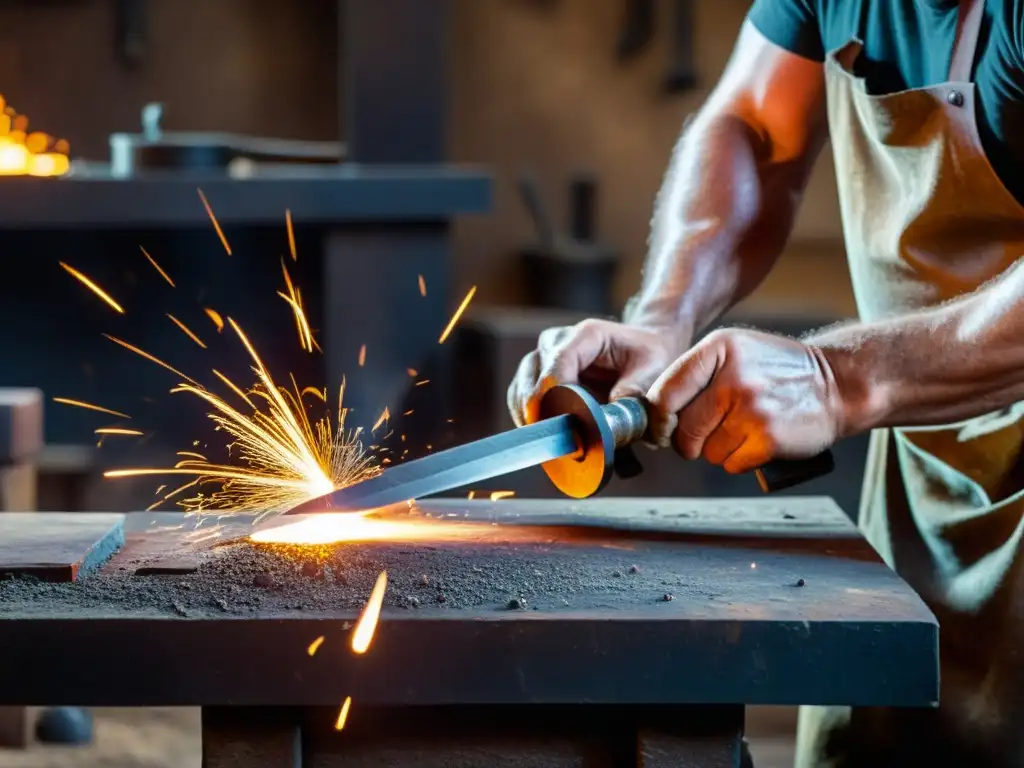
point(570, 269)
point(130, 31)
point(682, 72)
point(576, 441)
point(637, 28)
point(533, 201)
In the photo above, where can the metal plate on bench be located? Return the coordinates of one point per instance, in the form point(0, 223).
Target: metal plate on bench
point(57, 546)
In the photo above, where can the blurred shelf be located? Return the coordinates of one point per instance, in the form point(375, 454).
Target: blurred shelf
point(313, 194)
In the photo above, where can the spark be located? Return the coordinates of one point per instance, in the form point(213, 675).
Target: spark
point(92, 286)
point(90, 407)
point(214, 315)
point(343, 714)
point(362, 634)
point(457, 315)
point(383, 419)
point(421, 383)
point(412, 372)
point(151, 358)
point(284, 458)
point(362, 356)
point(186, 330)
point(315, 645)
point(318, 393)
point(157, 267)
point(498, 495)
point(423, 285)
point(280, 452)
point(117, 431)
point(216, 224)
point(291, 234)
point(294, 299)
point(234, 388)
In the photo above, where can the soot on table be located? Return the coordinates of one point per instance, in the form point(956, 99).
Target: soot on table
point(244, 578)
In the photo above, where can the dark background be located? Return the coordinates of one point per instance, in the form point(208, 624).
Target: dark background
point(529, 85)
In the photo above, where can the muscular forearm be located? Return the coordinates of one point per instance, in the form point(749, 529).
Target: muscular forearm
point(722, 219)
point(954, 362)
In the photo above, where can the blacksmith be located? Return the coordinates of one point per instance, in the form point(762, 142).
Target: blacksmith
point(923, 101)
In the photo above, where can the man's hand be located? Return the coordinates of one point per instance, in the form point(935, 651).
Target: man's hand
point(742, 398)
point(612, 359)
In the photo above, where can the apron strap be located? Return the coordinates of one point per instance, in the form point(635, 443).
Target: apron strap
point(968, 28)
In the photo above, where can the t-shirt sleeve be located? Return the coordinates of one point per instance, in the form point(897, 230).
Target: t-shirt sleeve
point(790, 24)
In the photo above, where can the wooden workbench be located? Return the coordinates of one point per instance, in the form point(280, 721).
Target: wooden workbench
point(643, 625)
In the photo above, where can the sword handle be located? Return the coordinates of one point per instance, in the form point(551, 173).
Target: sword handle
point(627, 420)
point(780, 474)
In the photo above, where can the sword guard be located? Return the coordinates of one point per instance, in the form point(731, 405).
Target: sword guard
point(604, 434)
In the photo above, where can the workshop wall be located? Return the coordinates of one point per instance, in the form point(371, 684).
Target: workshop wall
point(535, 84)
point(538, 85)
point(253, 66)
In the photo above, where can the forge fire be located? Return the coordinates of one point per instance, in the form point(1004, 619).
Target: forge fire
point(25, 153)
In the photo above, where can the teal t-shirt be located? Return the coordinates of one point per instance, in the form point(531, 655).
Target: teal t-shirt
point(908, 44)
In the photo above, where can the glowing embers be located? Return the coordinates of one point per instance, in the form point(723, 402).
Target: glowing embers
point(362, 636)
point(339, 527)
point(28, 154)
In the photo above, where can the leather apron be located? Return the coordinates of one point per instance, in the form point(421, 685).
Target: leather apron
point(926, 219)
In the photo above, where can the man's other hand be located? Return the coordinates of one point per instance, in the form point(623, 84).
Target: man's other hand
point(612, 359)
point(742, 398)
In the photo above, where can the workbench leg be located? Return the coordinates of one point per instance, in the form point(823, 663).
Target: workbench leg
point(688, 737)
point(13, 727)
point(523, 736)
point(251, 737)
point(21, 440)
point(529, 736)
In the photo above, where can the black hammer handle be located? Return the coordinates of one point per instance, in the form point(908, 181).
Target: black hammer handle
point(627, 419)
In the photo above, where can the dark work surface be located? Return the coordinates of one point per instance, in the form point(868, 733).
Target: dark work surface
point(773, 602)
point(348, 193)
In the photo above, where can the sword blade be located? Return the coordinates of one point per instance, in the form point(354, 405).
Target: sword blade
point(475, 461)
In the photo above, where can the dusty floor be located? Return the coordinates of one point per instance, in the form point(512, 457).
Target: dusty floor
point(169, 738)
point(125, 738)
